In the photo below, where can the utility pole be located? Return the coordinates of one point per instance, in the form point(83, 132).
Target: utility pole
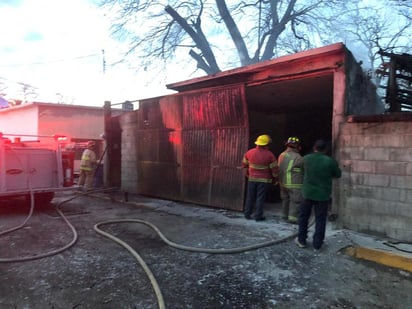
point(104, 62)
point(109, 143)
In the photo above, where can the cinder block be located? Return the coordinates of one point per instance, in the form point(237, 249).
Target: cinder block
point(403, 210)
point(378, 207)
point(376, 180)
point(128, 119)
point(352, 153)
point(352, 128)
point(377, 153)
point(356, 205)
point(396, 223)
point(400, 127)
point(344, 141)
point(357, 178)
point(408, 194)
point(364, 192)
point(409, 169)
point(406, 140)
point(362, 166)
point(384, 141)
point(390, 194)
point(402, 234)
point(402, 182)
point(376, 128)
point(386, 128)
point(353, 141)
point(401, 154)
point(346, 165)
point(391, 168)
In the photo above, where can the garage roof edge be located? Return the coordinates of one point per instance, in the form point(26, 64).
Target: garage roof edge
point(244, 72)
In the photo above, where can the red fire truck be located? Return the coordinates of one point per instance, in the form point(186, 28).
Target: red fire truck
point(38, 164)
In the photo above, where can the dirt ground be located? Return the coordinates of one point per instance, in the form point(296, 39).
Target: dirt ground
point(98, 273)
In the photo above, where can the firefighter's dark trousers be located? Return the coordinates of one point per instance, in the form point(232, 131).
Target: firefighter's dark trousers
point(255, 196)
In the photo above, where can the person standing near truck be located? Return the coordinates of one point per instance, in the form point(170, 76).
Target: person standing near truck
point(87, 167)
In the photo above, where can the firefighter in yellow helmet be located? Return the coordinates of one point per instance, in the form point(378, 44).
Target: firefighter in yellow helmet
point(87, 166)
point(290, 179)
point(260, 167)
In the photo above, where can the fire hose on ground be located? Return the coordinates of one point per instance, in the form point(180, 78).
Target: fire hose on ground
point(136, 255)
point(52, 252)
point(172, 244)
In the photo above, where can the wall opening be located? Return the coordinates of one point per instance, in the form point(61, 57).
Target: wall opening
point(295, 107)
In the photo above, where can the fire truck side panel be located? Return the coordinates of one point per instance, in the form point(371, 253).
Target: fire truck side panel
point(30, 169)
point(31, 166)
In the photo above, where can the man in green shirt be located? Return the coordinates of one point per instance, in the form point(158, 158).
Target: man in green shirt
point(319, 170)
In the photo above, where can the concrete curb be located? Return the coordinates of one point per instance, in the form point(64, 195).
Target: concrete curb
point(381, 257)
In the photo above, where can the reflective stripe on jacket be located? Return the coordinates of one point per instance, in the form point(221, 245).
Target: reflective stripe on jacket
point(261, 164)
point(88, 160)
point(290, 169)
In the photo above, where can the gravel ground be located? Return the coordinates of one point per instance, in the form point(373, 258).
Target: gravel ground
point(98, 273)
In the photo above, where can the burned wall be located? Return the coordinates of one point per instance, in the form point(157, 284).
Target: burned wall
point(361, 93)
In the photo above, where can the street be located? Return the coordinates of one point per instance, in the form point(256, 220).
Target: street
point(98, 273)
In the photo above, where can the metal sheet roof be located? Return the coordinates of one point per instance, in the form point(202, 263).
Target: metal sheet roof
point(251, 72)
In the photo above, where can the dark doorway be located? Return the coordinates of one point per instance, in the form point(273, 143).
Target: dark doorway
point(299, 107)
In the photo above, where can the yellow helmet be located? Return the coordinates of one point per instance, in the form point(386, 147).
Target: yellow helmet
point(263, 140)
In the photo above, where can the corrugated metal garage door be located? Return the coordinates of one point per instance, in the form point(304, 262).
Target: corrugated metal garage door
point(190, 147)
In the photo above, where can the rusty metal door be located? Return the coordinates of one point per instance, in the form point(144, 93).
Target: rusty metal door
point(190, 147)
point(215, 136)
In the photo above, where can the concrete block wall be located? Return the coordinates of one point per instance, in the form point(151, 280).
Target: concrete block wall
point(375, 191)
point(128, 124)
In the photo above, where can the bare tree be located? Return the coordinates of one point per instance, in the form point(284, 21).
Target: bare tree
point(375, 29)
point(3, 87)
point(232, 33)
point(29, 92)
point(403, 7)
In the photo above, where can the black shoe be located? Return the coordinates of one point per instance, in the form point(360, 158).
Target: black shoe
point(260, 219)
point(247, 217)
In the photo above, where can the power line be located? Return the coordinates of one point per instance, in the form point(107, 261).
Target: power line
point(48, 62)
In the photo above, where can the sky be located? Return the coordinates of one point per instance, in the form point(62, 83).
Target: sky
point(63, 49)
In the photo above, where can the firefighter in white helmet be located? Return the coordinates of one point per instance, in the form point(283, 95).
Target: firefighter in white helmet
point(290, 179)
point(87, 166)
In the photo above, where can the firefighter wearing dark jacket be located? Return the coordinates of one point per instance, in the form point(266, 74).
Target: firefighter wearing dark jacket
point(290, 179)
point(260, 167)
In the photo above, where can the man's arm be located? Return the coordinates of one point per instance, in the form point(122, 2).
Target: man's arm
point(337, 172)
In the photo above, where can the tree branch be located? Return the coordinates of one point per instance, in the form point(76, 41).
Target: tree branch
point(199, 38)
point(234, 33)
point(201, 64)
